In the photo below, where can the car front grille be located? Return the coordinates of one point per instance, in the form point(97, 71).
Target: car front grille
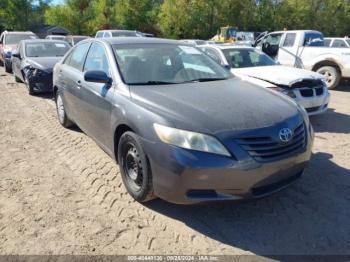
point(267, 149)
point(319, 91)
point(307, 92)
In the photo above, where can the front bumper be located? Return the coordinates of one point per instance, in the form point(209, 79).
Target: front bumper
point(185, 177)
point(313, 105)
point(39, 83)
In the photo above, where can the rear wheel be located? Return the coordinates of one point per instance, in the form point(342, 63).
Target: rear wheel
point(8, 68)
point(331, 74)
point(61, 112)
point(134, 167)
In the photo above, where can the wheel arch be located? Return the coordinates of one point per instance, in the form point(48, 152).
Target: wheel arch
point(331, 63)
point(119, 131)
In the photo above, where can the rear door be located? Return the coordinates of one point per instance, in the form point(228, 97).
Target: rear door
point(71, 77)
point(95, 98)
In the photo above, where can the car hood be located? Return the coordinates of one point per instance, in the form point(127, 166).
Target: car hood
point(215, 107)
point(43, 63)
point(279, 75)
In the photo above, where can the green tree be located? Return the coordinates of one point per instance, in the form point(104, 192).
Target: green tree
point(138, 14)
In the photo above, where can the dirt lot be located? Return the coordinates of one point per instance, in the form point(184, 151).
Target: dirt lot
point(61, 194)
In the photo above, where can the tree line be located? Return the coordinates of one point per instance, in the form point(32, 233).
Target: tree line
point(178, 18)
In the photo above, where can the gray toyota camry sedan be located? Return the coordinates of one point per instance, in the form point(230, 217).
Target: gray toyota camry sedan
point(180, 126)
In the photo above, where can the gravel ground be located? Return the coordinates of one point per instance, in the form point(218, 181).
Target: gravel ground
point(61, 194)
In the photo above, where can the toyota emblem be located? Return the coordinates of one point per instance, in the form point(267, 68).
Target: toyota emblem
point(286, 135)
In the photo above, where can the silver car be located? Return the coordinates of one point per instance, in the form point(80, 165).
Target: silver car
point(307, 88)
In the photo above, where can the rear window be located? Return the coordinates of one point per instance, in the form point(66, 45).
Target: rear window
point(313, 39)
point(14, 39)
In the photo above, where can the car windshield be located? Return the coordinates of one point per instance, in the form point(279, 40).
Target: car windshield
point(238, 58)
point(124, 33)
point(47, 49)
point(14, 39)
point(158, 64)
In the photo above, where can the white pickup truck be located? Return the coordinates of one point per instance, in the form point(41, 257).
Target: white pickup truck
point(305, 49)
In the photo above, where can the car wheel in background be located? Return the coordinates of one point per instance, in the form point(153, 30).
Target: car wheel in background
point(331, 74)
point(8, 68)
point(134, 167)
point(61, 112)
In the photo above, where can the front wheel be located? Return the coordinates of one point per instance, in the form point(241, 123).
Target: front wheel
point(61, 112)
point(134, 167)
point(331, 74)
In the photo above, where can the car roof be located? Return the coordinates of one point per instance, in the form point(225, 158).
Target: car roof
point(116, 30)
point(19, 33)
point(43, 41)
point(134, 40)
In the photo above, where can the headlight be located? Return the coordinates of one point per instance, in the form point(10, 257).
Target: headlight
point(190, 140)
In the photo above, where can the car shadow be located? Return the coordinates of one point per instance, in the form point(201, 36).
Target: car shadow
point(331, 122)
point(309, 217)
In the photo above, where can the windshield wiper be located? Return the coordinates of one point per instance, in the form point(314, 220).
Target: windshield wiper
point(153, 82)
point(208, 79)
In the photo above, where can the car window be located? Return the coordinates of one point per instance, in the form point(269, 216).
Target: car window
point(339, 43)
point(124, 34)
point(99, 34)
point(273, 39)
point(46, 49)
point(107, 34)
point(313, 39)
point(327, 42)
point(290, 40)
point(96, 59)
point(212, 53)
point(239, 58)
point(169, 63)
point(77, 56)
point(14, 39)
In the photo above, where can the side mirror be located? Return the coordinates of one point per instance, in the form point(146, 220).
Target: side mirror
point(97, 76)
point(16, 54)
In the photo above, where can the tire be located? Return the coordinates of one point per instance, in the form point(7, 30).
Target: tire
point(332, 75)
point(17, 79)
point(61, 113)
point(29, 87)
point(135, 168)
point(8, 69)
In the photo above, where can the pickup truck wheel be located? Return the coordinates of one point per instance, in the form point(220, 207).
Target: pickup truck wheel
point(61, 112)
point(331, 74)
point(134, 167)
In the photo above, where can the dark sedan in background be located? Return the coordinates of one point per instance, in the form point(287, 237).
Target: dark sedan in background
point(181, 127)
point(33, 62)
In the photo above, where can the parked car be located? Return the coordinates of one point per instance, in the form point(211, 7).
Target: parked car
point(181, 126)
point(55, 37)
point(337, 42)
point(307, 88)
point(75, 39)
point(305, 49)
point(33, 62)
point(8, 43)
point(117, 33)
